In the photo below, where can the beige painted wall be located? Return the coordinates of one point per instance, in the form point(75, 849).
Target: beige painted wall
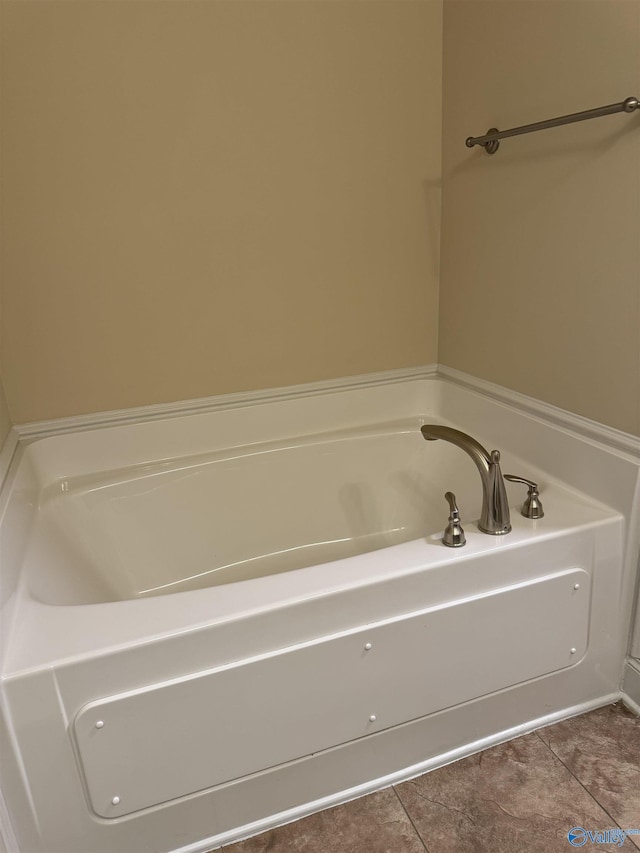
point(540, 281)
point(207, 197)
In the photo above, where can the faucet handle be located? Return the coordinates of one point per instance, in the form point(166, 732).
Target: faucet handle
point(454, 534)
point(453, 507)
point(532, 507)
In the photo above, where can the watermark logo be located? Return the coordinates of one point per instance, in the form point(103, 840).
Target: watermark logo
point(578, 836)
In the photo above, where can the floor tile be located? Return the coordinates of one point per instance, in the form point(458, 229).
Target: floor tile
point(602, 750)
point(374, 824)
point(513, 797)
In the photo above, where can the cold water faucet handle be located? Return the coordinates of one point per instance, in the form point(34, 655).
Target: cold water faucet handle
point(454, 534)
point(532, 507)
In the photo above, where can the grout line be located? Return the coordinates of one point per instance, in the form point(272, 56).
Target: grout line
point(579, 781)
point(416, 830)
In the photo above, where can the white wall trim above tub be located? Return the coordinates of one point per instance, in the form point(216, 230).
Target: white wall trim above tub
point(631, 685)
point(552, 414)
point(291, 815)
point(8, 840)
point(139, 414)
point(7, 453)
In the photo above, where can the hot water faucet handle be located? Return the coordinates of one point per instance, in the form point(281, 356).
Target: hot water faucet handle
point(454, 534)
point(532, 507)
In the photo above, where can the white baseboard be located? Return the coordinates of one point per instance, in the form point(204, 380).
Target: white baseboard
point(631, 685)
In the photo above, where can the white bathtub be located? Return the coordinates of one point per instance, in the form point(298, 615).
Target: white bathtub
point(216, 622)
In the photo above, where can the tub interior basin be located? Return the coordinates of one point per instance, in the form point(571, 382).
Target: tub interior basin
point(241, 514)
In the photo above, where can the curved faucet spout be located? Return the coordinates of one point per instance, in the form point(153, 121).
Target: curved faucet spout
point(494, 517)
point(465, 442)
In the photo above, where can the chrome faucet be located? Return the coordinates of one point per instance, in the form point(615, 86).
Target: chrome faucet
point(494, 518)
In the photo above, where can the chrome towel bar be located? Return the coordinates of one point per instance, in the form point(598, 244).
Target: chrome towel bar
point(490, 141)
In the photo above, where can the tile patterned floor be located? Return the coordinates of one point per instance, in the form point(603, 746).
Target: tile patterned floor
point(520, 797)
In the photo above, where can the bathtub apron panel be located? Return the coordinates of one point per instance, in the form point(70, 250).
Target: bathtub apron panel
point(151, 745)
